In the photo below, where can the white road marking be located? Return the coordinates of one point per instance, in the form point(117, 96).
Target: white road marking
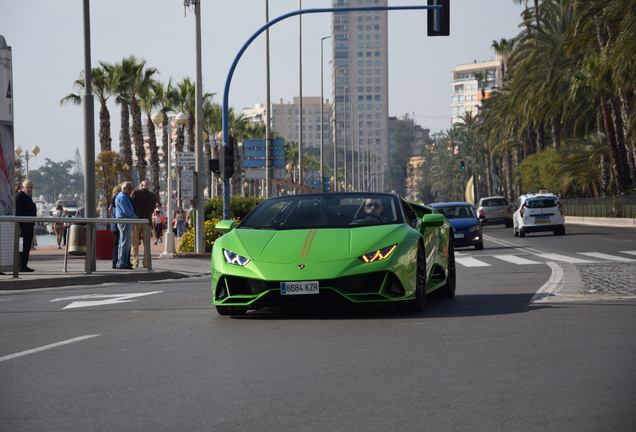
point(514, 259)
point(111, 299)
point(628, 252)
point(606, 256)
point(564, 258)
point(471, 262)
point(45, 347)
point(548, 288)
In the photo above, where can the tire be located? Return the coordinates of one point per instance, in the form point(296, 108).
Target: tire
point(559, 231)
point(522, 234)
point(479, 246)
point(508, 224)
point(417, 304)
point(516, 232)
point(448, 289)
point(230, 310)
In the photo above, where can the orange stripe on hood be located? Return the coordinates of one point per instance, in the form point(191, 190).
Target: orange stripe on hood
point(308, 240)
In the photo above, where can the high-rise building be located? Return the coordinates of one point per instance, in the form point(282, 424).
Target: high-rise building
point(360, 86)
point(466, 90)
point(285, 119)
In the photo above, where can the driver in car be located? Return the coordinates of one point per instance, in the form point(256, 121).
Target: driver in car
point(373, 205)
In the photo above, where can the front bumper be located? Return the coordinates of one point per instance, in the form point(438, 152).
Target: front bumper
point(469, 238)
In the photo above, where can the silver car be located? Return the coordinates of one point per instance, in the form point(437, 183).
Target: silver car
point(495, 210)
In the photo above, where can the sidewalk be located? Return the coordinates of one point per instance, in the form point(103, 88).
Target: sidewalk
point(48, 263)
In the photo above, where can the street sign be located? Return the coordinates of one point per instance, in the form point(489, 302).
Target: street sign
point(187, 184)
point(259, 173)
point(186, 159)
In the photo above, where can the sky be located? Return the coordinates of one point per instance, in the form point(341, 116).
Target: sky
point(47, 37)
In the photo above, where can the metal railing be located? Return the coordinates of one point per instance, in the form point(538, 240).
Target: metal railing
point(89, 265)
point(616, 206)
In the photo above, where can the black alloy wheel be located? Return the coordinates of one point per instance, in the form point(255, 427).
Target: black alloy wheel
point(448, 290)
point(417, 305)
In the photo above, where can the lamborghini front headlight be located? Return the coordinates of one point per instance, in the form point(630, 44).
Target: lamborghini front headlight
point(379, 254)
point(234, 258)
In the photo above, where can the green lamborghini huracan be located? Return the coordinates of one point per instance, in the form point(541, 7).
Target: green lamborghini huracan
point(333, 247)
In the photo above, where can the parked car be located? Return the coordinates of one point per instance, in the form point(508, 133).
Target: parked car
point(495, 210)
point(465, 223)
point(538, 213)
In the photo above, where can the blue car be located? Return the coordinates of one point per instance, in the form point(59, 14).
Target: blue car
point(465, 223)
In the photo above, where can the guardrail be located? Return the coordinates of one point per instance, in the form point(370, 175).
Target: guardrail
point(615, 206)
point(90, 236)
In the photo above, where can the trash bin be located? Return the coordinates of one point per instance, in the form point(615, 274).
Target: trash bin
point(105, 240)
point(77, 240)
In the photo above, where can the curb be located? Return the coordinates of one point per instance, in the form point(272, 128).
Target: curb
point(23, 284)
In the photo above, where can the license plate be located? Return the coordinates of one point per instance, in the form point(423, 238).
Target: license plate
point(459, 235)
point(303, 287)
point(541, 219)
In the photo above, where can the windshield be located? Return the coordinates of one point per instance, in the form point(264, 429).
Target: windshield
point(492, 202)
point(542, 202)
point(329, 210)
point(457, 212)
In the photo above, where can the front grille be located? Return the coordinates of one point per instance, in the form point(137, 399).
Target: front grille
point(357, 284)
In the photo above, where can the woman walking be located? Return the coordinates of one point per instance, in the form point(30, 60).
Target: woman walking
point(157, 218)
point(58, 227)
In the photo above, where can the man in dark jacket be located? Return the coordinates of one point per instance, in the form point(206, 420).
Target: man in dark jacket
point(24, 206)
point(145, 202)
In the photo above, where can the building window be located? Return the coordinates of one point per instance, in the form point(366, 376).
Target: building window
point(341, 54)
point(369, 97)
point(377, 97)
point(360, 97)
point(360, 53)
point(378, 106)
point(368, 53)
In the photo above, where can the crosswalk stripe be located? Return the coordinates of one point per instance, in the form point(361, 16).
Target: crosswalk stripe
point(514, 259)
point(628, 252)
point(606, 256)
point(470, 262)
point(563, 258)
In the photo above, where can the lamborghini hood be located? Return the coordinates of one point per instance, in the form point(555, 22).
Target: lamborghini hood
point(316, 244)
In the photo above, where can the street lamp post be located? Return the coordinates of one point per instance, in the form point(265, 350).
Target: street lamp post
point(181, 119)
point(353, 154)
point(322, 119)
point(168, 251)
point(35, 149)
point(344, 90)
point(335, 130)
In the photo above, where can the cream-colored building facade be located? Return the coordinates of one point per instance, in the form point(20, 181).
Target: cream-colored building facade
point(465, 90)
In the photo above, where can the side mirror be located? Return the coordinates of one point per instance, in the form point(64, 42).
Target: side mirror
point(432, 220)
point(225, 226)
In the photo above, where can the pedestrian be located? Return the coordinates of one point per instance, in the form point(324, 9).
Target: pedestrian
point(24, 206)
point(125, 210)
point(187, 217)
point(113, 226)
point(58, 227)
point(66, 225)
point(157, 218)
point(180, 222)
point(144, 202)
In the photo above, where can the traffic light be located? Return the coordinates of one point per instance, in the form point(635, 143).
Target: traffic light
point(462, 165)
point(439, 27)
point(227, 159)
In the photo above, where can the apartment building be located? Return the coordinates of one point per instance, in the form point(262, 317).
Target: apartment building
point(285, 119)
point(466, 91)
point(360, 87)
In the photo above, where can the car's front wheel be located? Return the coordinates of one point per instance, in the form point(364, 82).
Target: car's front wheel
point(417, 304)
point(230, 310)
point(448, 290)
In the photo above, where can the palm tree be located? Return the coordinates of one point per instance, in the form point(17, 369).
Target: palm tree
point(141, 81)
point(102, 80)
point(124, 75)
point(164, 101)
point(147, 102)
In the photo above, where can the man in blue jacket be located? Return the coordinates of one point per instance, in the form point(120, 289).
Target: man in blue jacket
point(125, 210)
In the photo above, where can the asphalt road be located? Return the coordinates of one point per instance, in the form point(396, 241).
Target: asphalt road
point(157, 357)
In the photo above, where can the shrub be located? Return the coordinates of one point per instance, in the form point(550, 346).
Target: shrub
point(211, 234)
point(239, 207)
